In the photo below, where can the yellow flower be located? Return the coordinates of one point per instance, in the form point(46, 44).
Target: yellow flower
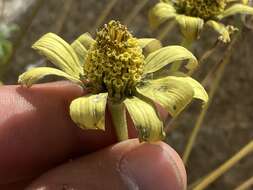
point(193, 15)
point(116, 72)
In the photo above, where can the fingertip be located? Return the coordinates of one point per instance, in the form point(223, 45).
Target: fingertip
point(154, 166)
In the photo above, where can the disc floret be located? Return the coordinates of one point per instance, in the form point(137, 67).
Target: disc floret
point(205, 9)
point(115, 62)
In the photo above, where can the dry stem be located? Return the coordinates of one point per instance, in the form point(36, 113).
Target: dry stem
point(140, 4)
point(246, 150)
point(224, 62)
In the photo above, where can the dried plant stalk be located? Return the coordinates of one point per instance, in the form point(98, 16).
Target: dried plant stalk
point(165, 30)
point(63, 16)
point(104, 14)
point(224, 62)
point(140, 4)
point(248, 149)
point(246, 184)
point(206, 55)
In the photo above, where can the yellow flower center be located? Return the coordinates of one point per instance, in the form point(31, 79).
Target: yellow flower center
point(115, 62)
point(205, 9)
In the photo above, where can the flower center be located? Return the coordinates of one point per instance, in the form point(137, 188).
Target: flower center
point(205, 9)
point(115, 62)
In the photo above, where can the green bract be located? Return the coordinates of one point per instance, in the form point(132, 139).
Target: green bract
point(117, 74)
point(193, 15)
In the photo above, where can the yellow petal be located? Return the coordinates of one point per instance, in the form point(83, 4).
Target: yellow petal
point(143, 42)
point(59, 53)
point(236, 9)
point(33, 75)
point(86, 40)
point(221, 29)
point(167, 55)
point(190, 26)
point(81, 46)
point(149, 44)
point(199, 91)
point(144, 116)
point(161, 13)
point(170, 92)
point(80, 50)
point(245, 2)
point(88, 112)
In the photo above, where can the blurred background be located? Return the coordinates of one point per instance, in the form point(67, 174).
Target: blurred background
point(229, 122)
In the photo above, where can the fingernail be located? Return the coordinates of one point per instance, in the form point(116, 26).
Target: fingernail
point(153, 166)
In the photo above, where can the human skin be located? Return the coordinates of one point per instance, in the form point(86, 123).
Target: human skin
point(41, 148)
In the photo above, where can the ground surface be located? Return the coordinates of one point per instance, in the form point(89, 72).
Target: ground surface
point(228, 125)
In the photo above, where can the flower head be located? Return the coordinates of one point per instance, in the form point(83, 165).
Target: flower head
point(117, 74)
point(115, 62)
point(206, 9)
point(192, 15)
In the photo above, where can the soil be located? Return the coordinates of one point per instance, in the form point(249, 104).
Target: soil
point(228, 125)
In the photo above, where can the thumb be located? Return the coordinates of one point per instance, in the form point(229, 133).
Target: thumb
point(126, 165)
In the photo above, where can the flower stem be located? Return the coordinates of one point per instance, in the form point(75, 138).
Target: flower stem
point(208, 78)
point(246, 150)
point(209, 52)
point(63, 16)
point(106, 11)
point(206, 55)
point(212, 92)
point(140, 4)
point(118, 112)
point(194, 134)
point(246, 184)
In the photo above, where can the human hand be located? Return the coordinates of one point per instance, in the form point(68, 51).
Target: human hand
point(38, 138)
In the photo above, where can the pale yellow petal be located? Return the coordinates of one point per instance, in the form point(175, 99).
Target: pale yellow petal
point(199, 91)
point(236, 9)
point(170, 92)
point(33, 75)
point(245, 2)
point(160, 13)
point(190, 26)
point(149, 45)
point(80, 50)
point(81, 46)
point(143, 42)
point(167, 55)
point(88, 112)
point(59, 53)
point(221, 29)
point(144, 116)
point(86, 40)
